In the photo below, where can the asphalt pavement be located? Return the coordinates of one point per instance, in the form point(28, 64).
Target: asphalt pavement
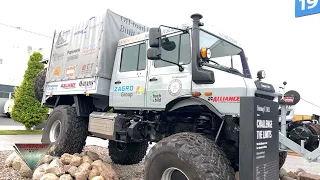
point(7, 141)
point(7, 123)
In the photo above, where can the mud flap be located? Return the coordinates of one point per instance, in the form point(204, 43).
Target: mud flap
point(45, 136)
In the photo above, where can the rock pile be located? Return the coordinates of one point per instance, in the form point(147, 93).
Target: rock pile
point(299, 174)
point(86, 165)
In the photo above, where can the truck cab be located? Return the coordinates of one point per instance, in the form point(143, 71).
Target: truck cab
point(169, 83)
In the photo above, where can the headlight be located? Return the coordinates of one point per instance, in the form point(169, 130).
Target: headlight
point(261, 74)
point(205, 53)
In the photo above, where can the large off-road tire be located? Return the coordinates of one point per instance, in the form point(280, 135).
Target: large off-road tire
point(188, 155)
point(65, 132)
point(127, 153)
point(282, 158)
point(39, 84)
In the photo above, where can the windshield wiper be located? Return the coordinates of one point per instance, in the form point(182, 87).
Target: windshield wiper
point(214, 62)
point(234, 71)
point(181, 68)
point(223, 68)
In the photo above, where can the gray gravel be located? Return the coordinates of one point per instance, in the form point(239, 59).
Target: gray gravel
point(130, 172)
point(135, 172)
point(8, 173)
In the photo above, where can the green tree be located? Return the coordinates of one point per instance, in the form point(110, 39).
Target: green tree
point(27, 110)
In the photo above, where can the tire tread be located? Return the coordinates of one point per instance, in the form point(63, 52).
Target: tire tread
point(134, 153)
point(76, 135)
point(205, 155)
point(39, 83)
point(282, 158)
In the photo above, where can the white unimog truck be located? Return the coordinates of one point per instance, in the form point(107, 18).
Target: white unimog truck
point(183, 92)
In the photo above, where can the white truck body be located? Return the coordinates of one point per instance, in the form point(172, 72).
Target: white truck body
point(185, 79)
point(86, 59)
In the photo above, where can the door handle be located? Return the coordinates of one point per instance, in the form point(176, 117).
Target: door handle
point(153, 79)
point(117, 82)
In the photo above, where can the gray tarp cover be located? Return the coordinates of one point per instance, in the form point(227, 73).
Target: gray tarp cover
point(88, 49)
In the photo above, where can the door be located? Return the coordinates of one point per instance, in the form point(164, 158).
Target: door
point(130, 80)
point(165, 82)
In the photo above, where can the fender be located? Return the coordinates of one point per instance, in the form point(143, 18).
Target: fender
point(189, 100)
point(84, 104)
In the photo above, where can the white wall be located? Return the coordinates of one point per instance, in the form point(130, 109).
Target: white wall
point(15, 55)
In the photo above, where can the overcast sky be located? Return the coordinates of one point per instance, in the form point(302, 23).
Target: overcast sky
point(273, 39)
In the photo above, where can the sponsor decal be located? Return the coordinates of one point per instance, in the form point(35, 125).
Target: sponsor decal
point(139, 90)
point(87, 84)
point(62, 38)
point(229, 39)
point(126, 94)
point(73, 51)
point(130, 27)
point(175, 87)
point(130, 39)
point(88, 27)
point(57, 71)
point(57, 56)
point(90, 49)
point(72, 57)
point(68, 85)
point(126, 91)
point(70, 71)
point(155, 97)
point(224, 99)
point(288, 99)
point(123, 88)
point(52, 87)
point(179, 76)
point(87, 68)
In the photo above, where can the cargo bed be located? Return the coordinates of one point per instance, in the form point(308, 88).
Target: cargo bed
point(83, 56)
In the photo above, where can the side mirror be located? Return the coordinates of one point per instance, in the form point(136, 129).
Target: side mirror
point(154, 37)
point(153, 54)
point(168, 45)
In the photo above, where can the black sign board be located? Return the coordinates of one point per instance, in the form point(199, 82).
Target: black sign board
point(259, 139)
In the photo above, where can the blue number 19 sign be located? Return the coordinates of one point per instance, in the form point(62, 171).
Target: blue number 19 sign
point(307, 7)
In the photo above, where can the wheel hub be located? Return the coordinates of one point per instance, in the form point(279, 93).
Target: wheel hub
point(55, 131)
point(174, 174)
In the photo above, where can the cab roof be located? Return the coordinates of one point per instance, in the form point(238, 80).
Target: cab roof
point(145, 36)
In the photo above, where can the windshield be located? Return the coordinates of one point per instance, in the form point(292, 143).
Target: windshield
point(224, 55)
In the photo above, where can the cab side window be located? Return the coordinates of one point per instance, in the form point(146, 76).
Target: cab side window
point(180, 55)
point(133, 58)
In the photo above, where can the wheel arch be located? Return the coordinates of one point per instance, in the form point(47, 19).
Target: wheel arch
point(185, 101)
point(83, 104)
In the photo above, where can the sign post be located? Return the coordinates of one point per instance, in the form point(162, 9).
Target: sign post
point(259, 139)
point(306, 7)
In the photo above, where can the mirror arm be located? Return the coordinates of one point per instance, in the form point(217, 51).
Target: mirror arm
point(181, 68)
point(183, 30)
